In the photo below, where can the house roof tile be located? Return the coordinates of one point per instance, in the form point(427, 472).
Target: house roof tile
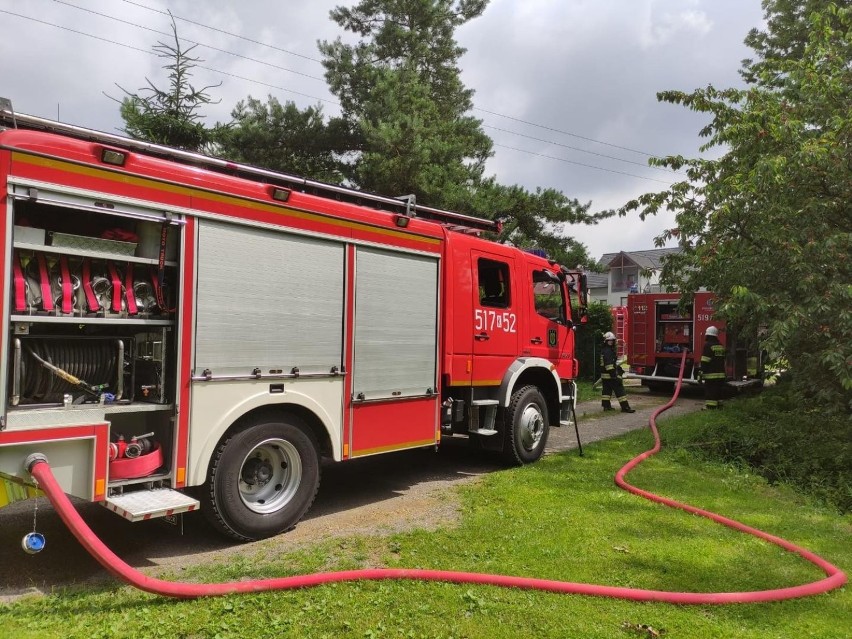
point(650, 259)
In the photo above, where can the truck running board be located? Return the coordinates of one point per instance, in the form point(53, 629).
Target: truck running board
point(485, 425)
point(149, 504)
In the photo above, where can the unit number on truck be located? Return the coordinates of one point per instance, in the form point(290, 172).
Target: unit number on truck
point(485, 320)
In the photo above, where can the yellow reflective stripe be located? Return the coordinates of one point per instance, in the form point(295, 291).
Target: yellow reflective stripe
point(213, 196)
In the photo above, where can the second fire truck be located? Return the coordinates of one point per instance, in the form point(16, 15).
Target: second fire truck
point(661, 329)
point(180, 331)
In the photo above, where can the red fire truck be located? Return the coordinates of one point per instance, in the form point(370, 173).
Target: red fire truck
point(181, 331)
point(661, 330)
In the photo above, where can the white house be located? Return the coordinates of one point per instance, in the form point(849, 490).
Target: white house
point(629, 271)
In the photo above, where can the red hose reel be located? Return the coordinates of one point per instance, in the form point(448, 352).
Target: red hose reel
point(139, 457)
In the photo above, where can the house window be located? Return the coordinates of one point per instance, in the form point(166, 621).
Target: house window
point(624, 279)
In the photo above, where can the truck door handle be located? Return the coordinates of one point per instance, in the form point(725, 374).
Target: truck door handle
point(482, 336)
point(536, 340)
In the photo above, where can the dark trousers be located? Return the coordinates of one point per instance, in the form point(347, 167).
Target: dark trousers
point(612, 386)
point(713, 392)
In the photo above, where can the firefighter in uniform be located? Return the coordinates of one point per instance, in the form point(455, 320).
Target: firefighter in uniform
point(610, 378)
point(712, 371)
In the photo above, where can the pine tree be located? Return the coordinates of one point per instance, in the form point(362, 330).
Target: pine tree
point(170, 116)
point(401, 93)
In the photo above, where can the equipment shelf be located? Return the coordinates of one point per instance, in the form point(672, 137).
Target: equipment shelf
point(44, 248)
point(72, 319)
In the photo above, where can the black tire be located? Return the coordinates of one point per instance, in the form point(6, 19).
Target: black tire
point(262, 478)
point(526, 427)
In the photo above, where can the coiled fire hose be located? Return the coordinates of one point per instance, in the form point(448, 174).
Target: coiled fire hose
point(65, 375)
point(40, 469)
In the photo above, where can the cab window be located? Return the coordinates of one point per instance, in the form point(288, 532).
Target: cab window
point(547, 294)
point(493, 283)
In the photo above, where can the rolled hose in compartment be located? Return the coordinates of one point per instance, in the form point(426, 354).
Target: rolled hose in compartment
point(40, 469)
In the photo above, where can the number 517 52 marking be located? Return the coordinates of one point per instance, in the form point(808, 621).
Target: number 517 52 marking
point(485, 320)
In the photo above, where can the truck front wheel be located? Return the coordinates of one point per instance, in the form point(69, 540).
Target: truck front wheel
point(262, 479)
point(526, 426)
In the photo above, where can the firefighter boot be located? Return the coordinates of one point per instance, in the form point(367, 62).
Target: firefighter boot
point(625, 407)
point(605, 403)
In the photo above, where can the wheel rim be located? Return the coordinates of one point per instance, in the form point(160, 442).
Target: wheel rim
point(531, 427)
point(270, 475)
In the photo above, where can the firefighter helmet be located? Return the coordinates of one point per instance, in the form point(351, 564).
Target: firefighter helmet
point(609, 336)
point(712, 330)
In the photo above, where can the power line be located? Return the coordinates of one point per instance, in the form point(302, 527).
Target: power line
point(590, 166)
point(574, 148)
point(222, 31)
point(501, 115)
point(568, 133)
point(331, 102)
point(194, 42)
point(275, 66)
point(151, 53)
point(69, 29)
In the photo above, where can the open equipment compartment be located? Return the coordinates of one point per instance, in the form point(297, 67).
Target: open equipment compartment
point(91, 321)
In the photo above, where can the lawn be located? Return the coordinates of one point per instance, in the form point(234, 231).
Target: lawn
point(560, 519)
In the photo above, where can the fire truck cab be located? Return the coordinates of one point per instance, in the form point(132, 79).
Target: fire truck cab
point(180, 331)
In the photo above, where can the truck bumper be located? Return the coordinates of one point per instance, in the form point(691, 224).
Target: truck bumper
point(659, 378)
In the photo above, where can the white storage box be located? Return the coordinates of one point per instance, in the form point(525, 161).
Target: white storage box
point(85, 243)
point(29, 235)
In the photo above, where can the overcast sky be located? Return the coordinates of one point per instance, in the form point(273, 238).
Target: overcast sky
point(565, 88)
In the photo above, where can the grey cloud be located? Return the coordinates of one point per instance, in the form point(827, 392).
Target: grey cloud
point(587, 67)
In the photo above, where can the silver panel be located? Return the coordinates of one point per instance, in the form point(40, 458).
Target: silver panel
point(70, 198)
point(396, 315)
point(145, 504)
point(60, 416)
point(267, 300)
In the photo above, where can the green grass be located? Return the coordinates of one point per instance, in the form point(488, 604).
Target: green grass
point(783, 441)
point(563, 519)
point(585, 391)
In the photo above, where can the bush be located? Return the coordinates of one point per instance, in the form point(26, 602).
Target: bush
point(589, 339)
point(781, 440)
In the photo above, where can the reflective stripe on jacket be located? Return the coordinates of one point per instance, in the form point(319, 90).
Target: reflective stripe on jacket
point(608, 360)
point(713, 359)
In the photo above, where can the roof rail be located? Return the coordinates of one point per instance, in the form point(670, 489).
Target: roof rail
point(403, 205)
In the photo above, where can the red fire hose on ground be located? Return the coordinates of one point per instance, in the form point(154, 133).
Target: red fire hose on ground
point(39, 468)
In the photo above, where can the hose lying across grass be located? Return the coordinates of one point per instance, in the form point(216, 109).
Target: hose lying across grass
point(37, 465)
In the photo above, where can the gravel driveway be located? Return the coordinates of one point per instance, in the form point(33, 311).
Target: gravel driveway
point(375, 495)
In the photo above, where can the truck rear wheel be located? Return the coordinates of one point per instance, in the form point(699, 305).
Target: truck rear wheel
point(527, 426)
point(263, 478)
